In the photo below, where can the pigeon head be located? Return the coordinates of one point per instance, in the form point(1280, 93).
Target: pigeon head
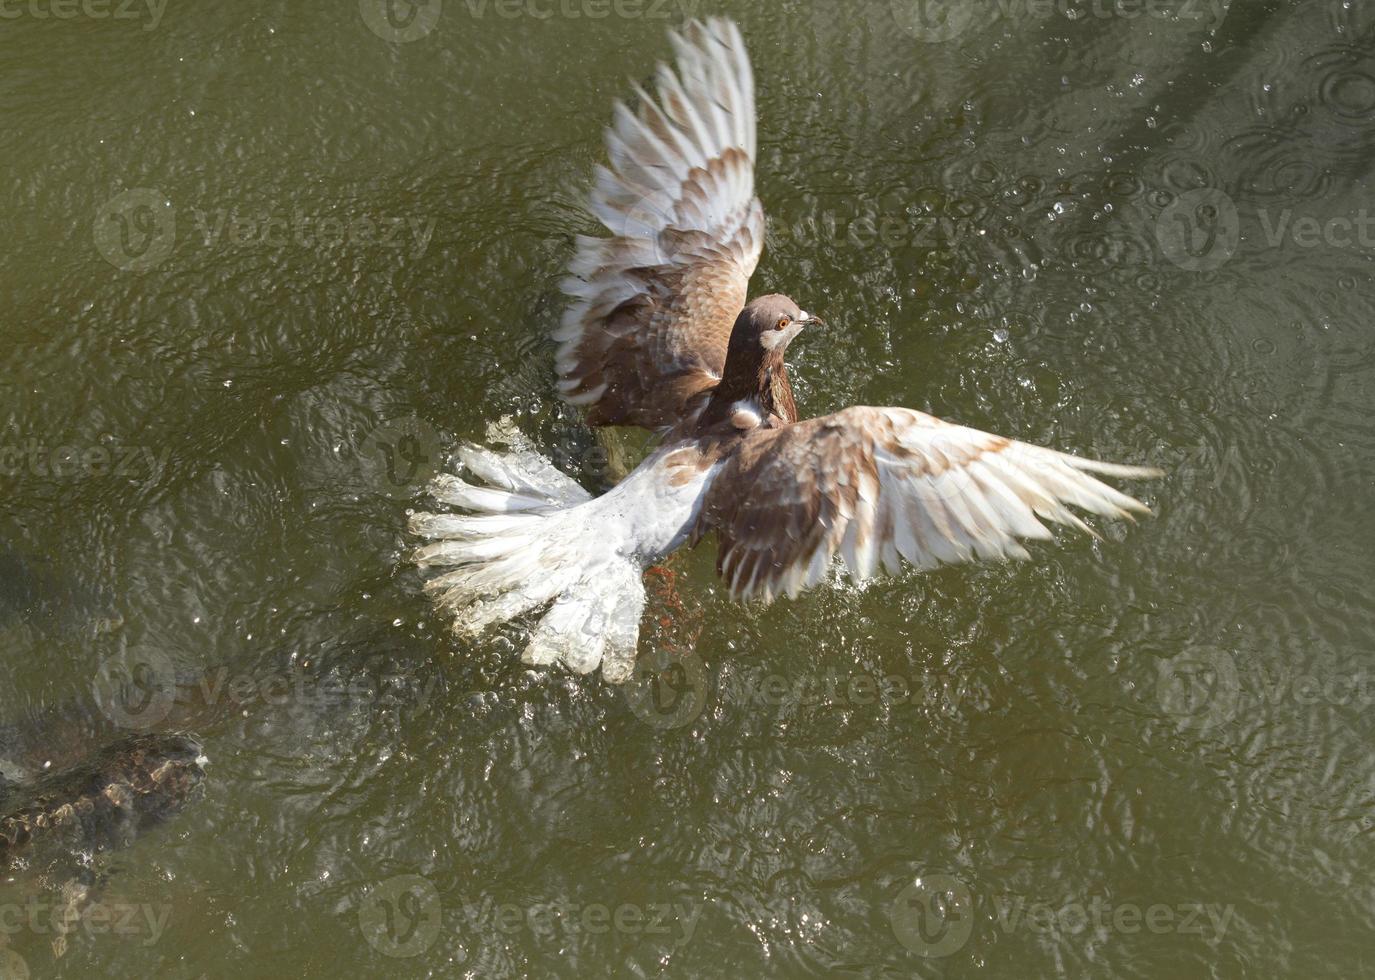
point(755, 371)
point(770, 323)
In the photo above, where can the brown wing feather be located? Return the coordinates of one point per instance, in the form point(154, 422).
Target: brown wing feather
point(653, 306)
point(876, 484)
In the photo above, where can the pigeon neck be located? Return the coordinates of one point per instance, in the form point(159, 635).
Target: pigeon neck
point(757, 376)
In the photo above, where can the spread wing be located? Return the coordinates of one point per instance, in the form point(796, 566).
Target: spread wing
point(654, 304)
point(878, 483)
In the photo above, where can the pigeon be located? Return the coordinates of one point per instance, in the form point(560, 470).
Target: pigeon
point(659, 333)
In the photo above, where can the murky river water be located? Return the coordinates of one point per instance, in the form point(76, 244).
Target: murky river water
point(248, 244)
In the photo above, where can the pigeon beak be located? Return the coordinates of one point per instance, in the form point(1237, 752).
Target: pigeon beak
point(807, 320)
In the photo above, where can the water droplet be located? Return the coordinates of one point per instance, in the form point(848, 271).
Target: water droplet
point(1001, 335)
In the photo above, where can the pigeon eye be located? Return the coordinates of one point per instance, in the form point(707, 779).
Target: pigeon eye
point(782, 323)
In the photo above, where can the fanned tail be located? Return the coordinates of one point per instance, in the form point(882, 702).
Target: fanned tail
point(531, 541)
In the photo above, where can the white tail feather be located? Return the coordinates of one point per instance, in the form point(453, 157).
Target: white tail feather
point(535, 541)
point(530, 545)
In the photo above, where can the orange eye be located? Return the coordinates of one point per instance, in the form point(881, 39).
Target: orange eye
point(783, 324)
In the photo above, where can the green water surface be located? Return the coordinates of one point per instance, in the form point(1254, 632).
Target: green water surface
point(247, 243)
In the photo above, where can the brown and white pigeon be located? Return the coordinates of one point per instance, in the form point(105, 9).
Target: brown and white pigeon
point(658, 334)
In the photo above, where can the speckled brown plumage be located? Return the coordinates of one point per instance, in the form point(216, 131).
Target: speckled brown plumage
point(658, 334)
